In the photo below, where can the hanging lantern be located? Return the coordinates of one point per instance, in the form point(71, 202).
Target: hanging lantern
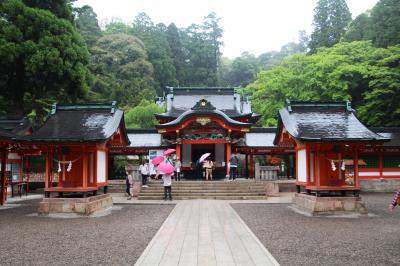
point(333, 166)
point(343, 165)
point(59, 167)
point(69, 166)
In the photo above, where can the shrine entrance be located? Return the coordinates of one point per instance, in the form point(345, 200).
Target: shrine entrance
point(192, 152)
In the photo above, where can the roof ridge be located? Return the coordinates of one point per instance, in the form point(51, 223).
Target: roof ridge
point(86, 106)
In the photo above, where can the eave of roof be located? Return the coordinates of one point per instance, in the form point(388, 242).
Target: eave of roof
point(191, 113)
point(322, 122)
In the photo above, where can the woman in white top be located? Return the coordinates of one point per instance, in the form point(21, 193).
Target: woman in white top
point(145, 172)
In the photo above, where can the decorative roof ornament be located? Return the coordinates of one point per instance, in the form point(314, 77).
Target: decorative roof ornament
point(203, 120)
point(203, 104)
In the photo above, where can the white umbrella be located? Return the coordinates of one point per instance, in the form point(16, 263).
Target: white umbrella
point(204, 156)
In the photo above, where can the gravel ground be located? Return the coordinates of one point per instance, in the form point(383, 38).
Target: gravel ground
point(294, 239)
point(116, 239)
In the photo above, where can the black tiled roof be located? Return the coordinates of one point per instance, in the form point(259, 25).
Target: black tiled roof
point(389, 132)
point(4, 134)
point(322, 121)
point(80, 123)
point(201, 90)
point(17, 126)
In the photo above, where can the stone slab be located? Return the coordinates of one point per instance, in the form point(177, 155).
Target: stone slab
point(83, 206)
point(325, 206)
point(205, 232)
point(380, 184)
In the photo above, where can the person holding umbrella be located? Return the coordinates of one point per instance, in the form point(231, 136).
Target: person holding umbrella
point(199, 165)
point(166, 170)
point(208, 165)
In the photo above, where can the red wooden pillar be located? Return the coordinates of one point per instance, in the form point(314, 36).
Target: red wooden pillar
point(27, 173)
point(228, 157)
point(47, 171)
point(247, 165)
point(4, 156)
point(356, 180)
point(178, 151)
point(380, 164)
point(251, 165)
point(85, 170)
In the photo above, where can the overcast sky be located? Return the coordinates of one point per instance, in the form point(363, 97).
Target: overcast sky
point(256, 26)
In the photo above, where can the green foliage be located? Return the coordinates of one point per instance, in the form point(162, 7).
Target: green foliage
point(121, 69)
point(116, 26)
point(360, 29)
point(142, 116)
point(331, 18)
point(356, 71)
point(385, 19)
point(243, 70)
point(43, 59)
point(156, 44)
point(178, 56)
point(87, 24)
point(60, 8)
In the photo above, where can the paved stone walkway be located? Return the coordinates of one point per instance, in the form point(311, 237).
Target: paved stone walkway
point(205, 232)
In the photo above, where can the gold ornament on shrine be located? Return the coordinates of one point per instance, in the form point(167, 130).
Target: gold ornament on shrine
point(203, 120)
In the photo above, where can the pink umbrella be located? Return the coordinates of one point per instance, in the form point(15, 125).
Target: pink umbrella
point(169, 151)
point(204, 156)
point(157, 160)
point(166, 168)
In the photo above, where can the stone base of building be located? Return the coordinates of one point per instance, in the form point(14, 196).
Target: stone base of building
point(380, 184)
point(82, 206)
point(328, 206)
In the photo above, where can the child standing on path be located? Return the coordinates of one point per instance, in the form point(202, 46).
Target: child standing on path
point(130, 181)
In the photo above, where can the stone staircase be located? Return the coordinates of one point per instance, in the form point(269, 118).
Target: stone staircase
point(224, 190)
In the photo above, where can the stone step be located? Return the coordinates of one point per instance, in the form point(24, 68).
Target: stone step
point(177, 197)
point(204, 190)
point(207, 193)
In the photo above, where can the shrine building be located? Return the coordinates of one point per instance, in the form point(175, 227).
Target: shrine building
point(322, 146)
point(206, 120)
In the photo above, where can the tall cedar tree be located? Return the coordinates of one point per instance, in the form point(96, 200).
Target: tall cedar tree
point(43, 59)
point(331, 18)
point(87, 24)
point(174, 41)
point(156, 44)
point(385, 19)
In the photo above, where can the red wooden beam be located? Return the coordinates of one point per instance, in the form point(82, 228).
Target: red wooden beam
point(4, 155)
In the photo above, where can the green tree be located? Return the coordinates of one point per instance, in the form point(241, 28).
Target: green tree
point(87, 24)
point(243, 70)
point(142, 116)
point(177, 53)
point(385, 17)
point(331, 18)
point(360, 29)
point(117, 26)
point(213, 33)
point(156, 43)
point(122, 70)
point(355, 71)
point(43, 59)
point(60, 8)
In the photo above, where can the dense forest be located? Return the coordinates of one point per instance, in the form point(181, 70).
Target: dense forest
point(52, 52)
